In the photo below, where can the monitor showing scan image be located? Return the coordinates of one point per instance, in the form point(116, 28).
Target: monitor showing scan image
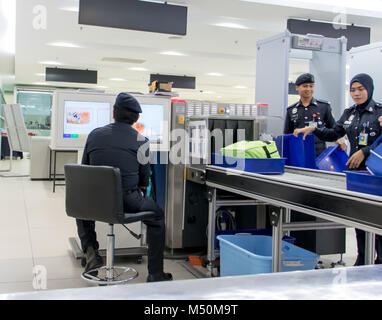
point(75, 114)
point(150, 122)
point(81, 117)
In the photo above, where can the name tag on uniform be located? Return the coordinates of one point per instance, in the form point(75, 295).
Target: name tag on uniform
point(363, 139)
point(313, 124)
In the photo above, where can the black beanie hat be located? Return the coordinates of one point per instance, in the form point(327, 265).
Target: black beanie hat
point(127, 101)
point(367, 82)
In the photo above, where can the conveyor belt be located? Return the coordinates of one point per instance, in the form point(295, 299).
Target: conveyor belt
point(310, 191)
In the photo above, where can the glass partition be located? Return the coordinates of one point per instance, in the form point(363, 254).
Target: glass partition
point(36, 107)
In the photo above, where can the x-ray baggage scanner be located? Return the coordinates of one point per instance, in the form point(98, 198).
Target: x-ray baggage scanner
point(327, 62)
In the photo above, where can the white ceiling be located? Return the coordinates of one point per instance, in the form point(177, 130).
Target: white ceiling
point(206, 48)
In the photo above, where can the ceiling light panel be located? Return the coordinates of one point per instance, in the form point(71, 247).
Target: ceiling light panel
point(214, 74)
point(51, 63)
point(138, 69)
point(172, 53)
point(122, 60)
point(230, 25)
point(64, 44)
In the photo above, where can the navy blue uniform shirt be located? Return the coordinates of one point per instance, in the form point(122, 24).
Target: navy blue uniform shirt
point(353, 122)
point(119, 145)
point(318, 111)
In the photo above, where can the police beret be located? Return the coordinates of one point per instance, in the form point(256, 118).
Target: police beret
point(127, 101)
point(305, 78)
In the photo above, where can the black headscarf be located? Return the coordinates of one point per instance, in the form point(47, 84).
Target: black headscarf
point(367, 82)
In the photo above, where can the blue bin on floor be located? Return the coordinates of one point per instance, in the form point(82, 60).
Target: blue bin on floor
point(332, 159)
point(258, 232)
point(263, 166)
point(363, 181)
point(251, 254)
point(299, 152)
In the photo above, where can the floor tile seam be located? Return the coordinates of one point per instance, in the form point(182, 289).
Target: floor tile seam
point(28, 223)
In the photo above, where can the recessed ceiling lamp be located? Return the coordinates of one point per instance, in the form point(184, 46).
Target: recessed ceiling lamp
point(51, 63)
point(117, 79)
point(209, 92)
point(214, 74)
point(70, 8)
point(64, 44)
point(101, 87)
point(172, 53)
point(230, 25)
point(40, 74)
point(138, 69)
point(240, 87)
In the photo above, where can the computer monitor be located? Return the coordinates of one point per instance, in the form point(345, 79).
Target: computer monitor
point(76, 114)
point(154, 121)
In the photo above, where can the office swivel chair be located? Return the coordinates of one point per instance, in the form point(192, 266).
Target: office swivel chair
point(95, 193)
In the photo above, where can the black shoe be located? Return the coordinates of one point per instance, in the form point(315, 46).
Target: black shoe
point(93, 259)
point(360, 261)
point(163, 276)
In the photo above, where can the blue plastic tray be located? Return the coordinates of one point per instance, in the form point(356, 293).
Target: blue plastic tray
point(251, 254)
point(264, 166)
point(332, 159)
point(299, 153)
point(363, 181)
point(258, 232)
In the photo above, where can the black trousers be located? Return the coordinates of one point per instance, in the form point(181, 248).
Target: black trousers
point(134, 202)
point(361, 247)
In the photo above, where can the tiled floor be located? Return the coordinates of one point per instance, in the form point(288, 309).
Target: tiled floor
point(34, 231)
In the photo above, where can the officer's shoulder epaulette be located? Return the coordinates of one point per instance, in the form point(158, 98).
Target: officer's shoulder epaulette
point(323, 101)
point(293, 105)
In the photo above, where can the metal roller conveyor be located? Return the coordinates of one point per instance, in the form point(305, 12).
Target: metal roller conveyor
point(314, 192)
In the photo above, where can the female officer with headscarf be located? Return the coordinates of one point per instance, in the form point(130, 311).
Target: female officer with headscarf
point(361, 123)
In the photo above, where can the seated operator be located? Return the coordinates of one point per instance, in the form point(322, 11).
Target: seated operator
point(119, 145)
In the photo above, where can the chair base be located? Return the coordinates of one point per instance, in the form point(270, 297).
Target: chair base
point(119, 275)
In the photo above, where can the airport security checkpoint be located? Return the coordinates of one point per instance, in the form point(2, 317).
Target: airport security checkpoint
point(279, 197)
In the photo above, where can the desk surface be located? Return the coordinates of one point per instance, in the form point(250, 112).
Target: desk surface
point(326, 284)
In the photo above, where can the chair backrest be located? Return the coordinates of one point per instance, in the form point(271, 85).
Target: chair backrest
point(93, 193)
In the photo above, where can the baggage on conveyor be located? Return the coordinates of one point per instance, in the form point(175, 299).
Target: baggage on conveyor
point(251, 156)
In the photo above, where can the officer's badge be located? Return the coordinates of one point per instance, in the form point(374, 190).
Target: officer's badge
point(294, 111)
point(351, 118)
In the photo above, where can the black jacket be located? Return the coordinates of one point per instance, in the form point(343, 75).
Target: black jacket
point(298, 116)
point(121, 146)
point(353, 122)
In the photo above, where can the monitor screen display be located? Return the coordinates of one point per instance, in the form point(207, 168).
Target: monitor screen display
point(150, 122)
point(81, 117)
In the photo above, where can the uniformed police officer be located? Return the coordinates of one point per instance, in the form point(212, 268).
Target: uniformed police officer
point(119, 145)
point(362, 124)
point(309, 111)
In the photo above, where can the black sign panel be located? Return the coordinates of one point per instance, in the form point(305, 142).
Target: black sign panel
point(182, 82)
point(357, 36)
point(134, 15)
point(70, 75)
